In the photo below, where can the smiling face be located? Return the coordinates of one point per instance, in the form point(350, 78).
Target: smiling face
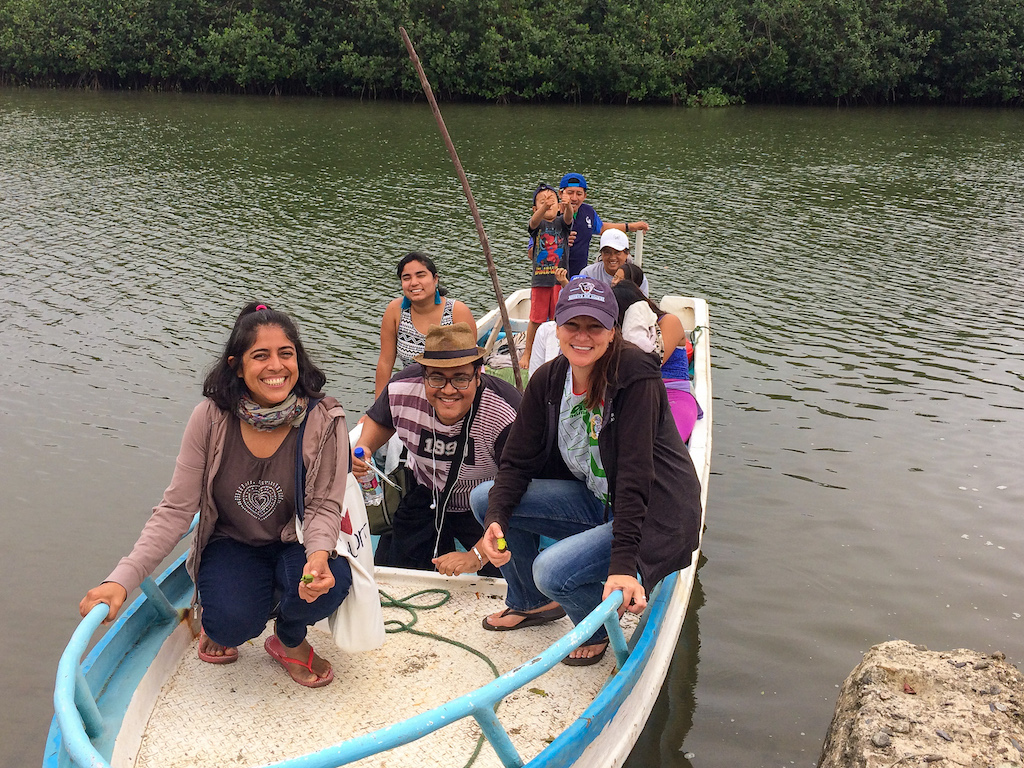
point(574, 196)
point(451, 404)
point(269, 368)
point(583, 340)
point(418, 283)
point(613, 259)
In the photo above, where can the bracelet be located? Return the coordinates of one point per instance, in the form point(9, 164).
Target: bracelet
point(627, 226)
point(477, 553)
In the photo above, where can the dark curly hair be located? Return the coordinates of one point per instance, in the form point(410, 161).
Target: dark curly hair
point(222, 383)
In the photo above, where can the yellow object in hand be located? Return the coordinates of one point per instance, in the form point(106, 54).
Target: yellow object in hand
point(502, 545)
point(307, 578)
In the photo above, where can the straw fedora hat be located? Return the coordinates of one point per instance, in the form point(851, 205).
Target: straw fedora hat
point(449, 346)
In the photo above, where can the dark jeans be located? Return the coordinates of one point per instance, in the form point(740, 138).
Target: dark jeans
point(411, 541)
point(238, 584)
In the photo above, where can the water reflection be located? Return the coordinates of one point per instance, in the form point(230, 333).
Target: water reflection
point(663, 740)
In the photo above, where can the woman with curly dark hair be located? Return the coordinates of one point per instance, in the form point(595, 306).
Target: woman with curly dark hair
point(424, 302)
point(264, 450)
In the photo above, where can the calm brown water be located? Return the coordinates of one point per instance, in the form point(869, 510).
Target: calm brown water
point(864, 273)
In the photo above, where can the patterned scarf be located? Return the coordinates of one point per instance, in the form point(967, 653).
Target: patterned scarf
point(291, 411)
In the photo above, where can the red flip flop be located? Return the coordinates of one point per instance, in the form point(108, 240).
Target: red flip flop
point(274, 647)
point(209, 658)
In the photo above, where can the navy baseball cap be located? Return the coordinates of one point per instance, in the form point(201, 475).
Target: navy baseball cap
point(583, 296)
point(541, 188)
point(572, 180)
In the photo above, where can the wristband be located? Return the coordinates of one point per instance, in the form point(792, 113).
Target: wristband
point(477, 553)
point(627, 226)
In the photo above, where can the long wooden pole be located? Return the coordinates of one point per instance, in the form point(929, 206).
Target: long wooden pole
point(506, 323)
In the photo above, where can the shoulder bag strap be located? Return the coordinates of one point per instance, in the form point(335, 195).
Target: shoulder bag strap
point(300, 466)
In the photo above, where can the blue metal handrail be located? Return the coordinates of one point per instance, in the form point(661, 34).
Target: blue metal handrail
point(73, 702)
point(80, 719)
point(479, 703)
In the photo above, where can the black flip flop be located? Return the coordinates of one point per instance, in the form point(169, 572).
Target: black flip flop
point(529, 619)
point(571, 662)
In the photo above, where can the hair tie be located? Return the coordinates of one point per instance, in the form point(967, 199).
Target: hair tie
point(260, 306)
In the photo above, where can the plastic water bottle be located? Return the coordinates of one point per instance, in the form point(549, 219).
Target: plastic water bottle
point(373, 494)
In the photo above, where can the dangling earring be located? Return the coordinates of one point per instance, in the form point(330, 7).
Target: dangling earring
point(437, 295)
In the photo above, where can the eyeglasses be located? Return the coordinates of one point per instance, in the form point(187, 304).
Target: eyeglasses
point(438, 381)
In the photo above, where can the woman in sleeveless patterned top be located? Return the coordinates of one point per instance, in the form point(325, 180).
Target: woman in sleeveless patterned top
point(407, 319)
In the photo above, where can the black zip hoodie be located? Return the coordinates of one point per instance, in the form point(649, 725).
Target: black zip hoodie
point(654, 491)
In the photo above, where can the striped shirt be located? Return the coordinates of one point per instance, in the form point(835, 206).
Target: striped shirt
point(432, 446)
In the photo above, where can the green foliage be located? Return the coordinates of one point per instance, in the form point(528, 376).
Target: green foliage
point(981, 58)
point(695, 52)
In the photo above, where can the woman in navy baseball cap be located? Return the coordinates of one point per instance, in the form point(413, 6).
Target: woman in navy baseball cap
point(594, 461)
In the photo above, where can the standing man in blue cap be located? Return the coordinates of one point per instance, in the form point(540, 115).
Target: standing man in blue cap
point(573, 190)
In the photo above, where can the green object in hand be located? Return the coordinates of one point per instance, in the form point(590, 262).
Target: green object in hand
point(502, 545)
point(307, 578)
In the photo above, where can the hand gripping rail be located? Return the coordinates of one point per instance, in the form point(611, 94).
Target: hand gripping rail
point(74, 703)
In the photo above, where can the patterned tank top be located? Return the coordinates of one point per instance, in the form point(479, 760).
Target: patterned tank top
point(410, 341)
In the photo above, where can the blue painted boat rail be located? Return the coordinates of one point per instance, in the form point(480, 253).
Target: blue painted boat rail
point(80, 719)
point(81, 722)
point(74, 703)
point(479, 704)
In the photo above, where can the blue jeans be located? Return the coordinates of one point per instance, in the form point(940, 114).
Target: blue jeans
point(238, 584)
point(573, 569)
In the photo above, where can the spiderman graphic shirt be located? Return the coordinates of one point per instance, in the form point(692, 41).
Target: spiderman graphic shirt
point(550, 246)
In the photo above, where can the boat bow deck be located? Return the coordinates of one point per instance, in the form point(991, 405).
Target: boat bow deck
point(249, 713)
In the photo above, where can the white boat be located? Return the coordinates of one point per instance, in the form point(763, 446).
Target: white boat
point(142, 699)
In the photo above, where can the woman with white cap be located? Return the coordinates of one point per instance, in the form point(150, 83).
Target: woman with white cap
point(594, 461)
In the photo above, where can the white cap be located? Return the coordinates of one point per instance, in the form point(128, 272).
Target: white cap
point(615, 238)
